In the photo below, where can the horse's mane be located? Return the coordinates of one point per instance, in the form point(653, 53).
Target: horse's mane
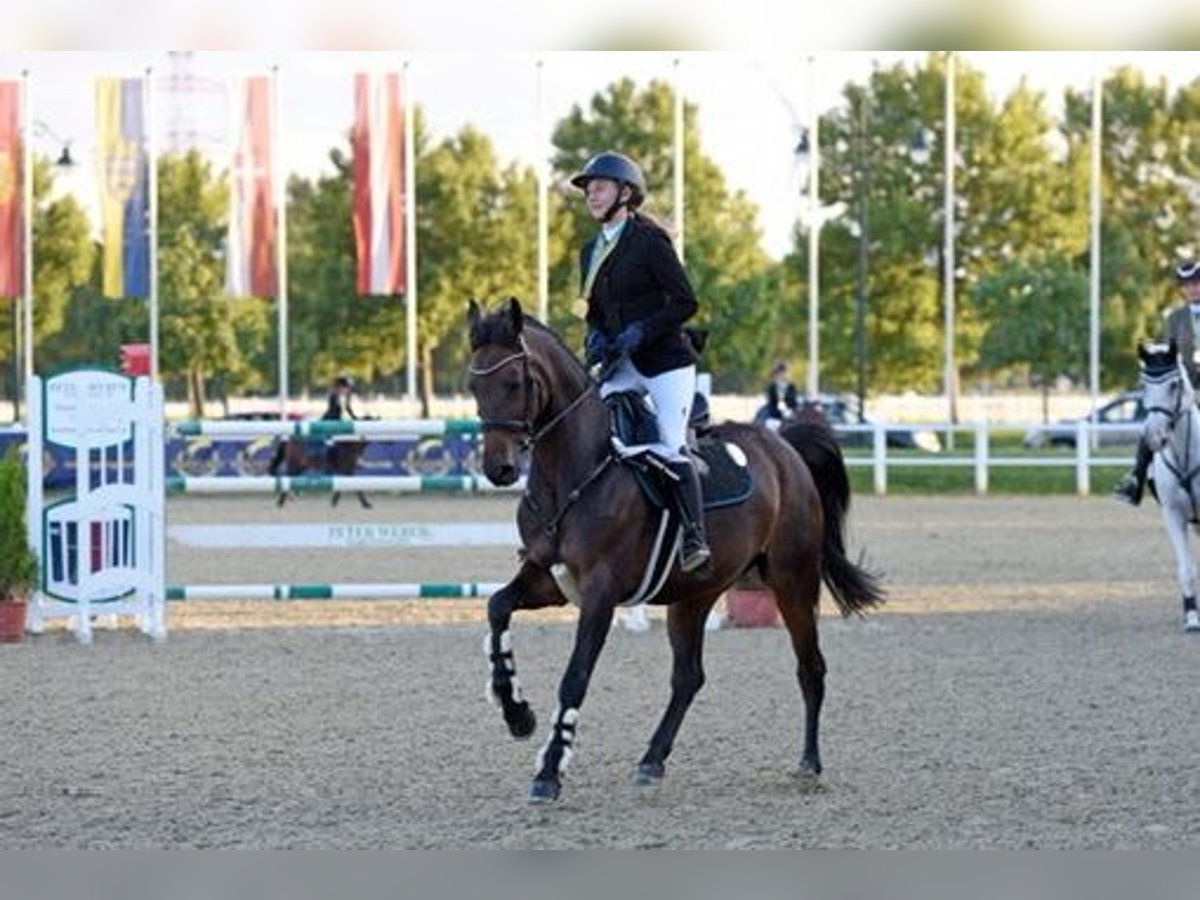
point(496, 327)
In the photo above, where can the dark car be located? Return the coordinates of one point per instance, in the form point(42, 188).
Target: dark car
point(841, 411)
point(1124, 409)
point(262, 415)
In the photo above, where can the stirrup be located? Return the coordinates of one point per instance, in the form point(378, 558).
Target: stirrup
point(694, 556)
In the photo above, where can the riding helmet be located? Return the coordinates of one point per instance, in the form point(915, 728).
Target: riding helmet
point(616, 167)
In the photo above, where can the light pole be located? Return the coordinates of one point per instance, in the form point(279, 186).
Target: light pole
point(861, 186)
point(918, 150)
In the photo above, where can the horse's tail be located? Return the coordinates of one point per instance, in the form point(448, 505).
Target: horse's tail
point(854, 588)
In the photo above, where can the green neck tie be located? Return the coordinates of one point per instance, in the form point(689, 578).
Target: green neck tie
point(599, 253)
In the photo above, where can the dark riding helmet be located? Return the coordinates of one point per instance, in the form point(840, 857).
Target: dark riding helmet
point(1188, 270)
point(616, 167)
point(344, 381)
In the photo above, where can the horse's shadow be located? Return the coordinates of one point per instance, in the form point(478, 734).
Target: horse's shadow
point(296, 455)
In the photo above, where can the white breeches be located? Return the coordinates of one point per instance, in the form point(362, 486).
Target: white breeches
point(671, 393)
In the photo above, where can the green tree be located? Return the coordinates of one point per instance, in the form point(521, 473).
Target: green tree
point(1013, 199)
point(476, 237)
point(727, 267)
point(1034, 308)
point(203, 331)
point(332, 328)
point(1151, 204)
point(62, 261)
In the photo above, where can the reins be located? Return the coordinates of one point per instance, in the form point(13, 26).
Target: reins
point(533, 433)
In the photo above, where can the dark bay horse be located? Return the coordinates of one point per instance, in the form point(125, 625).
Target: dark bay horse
point(587, 531)
point(296, 455)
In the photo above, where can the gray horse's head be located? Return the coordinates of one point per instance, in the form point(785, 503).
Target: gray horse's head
point(1166, 391)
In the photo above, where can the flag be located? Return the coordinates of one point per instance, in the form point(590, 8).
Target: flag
point(250, 251)
point(123, 177)
point(378, 145)
point(12, 194)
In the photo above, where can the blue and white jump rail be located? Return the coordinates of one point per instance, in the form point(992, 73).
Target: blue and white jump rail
point(324, 484)
point(319, 428)
point(366, 591)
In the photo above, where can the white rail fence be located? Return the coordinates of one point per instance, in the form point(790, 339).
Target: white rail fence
point(1094, 447)
point(1089, 440)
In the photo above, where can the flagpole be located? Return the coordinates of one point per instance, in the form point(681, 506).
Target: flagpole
point(280, 187)
point(814, 234)
point(677, 187)
point(949, 368)
point(410, 233)
point(27, 203)
point(1095, 173)
point(152, 225)
point(543, 265)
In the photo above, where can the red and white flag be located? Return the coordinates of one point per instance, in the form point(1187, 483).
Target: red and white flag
point(250, 254)
point(12, 222)
point(378, 145)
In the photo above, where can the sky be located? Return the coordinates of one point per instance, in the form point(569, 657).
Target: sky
point(751, 105)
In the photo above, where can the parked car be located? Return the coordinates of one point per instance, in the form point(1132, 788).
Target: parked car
point(263, 415)
point(843, 411)
point(1124, 409)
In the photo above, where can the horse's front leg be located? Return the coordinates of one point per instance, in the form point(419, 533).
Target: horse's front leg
point(1175, 518)
point(595, 620)
point(532, 588)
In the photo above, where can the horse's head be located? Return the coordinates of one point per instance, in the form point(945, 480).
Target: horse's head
point(1166, 391)
point(503, 382)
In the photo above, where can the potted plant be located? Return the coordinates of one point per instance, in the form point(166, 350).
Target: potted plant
point(18, 564)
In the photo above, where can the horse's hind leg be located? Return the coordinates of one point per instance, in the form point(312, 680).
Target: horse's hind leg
point(363, 501)
point(685, 628)
point(797, 593)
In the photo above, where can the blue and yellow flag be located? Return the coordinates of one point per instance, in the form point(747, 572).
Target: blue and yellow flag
point(124, 189)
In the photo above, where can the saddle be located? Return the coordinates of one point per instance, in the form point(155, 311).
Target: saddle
point(725, 478)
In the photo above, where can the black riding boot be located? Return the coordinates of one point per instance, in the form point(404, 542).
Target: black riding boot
point(694, 553)
point(1129, 489)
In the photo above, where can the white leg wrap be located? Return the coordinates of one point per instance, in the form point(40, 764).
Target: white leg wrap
point(490, 692)
point(510, 667)
point(566, 737)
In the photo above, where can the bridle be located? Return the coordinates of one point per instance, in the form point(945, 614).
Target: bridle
point(526, 425)
point(1172, 414)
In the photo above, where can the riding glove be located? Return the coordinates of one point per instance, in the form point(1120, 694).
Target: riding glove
point(630, 338)
point(596, 347)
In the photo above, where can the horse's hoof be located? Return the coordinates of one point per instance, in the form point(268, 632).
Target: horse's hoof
point(543, 791)
point(808, 776)
point(648, 774)
point(522, 722)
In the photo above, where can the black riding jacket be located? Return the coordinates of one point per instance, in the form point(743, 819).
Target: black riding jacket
point(641, 280)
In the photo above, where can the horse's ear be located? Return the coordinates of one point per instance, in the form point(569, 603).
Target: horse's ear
point(1172, 348)
point(473, 312)
point(1142, 350)
point(513, 309)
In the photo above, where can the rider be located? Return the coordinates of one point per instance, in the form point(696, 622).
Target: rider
point(782, 400)
point(339, 407)
point(1183, 327)
point(638, 297)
